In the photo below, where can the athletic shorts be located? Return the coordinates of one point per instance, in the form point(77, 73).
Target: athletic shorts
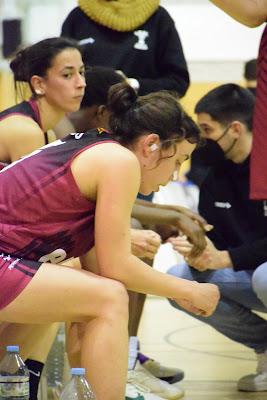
point(15, 274)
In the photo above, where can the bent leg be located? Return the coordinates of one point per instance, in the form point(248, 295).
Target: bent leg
point(233, 316)
point(64, 294)
point(34, 340)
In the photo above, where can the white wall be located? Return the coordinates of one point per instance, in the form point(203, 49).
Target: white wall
point(208, 35)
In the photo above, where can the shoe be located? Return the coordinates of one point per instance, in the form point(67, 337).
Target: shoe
point(255, 382)
point(168, 374)
point(134, 393)
point(148, 383)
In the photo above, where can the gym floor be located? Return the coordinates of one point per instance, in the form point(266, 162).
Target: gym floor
point(211, 362)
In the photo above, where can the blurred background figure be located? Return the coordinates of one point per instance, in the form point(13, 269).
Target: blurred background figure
point(250, 75)
point(138, 38)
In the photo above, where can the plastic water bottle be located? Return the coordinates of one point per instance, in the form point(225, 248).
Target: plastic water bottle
point(77, 388)
point(14, 376)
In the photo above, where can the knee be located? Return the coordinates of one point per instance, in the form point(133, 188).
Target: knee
point(116, 300)
point(181, 271)
point(259, 282)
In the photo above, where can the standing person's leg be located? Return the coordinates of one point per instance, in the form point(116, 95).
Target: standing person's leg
point(234, 316)
point(136, 305)
point(136, 300)
point(57, 293)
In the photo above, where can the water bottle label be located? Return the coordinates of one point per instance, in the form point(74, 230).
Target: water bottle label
point(10, 387)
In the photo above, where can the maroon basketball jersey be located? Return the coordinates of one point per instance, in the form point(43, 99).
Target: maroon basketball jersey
point(43, 215)
point(258, 173)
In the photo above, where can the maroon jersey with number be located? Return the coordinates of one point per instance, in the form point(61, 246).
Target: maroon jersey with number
point(258, 170)
point(43, 215)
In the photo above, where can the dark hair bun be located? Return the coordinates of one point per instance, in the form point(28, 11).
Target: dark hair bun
point(121, 98)
point(19, 66)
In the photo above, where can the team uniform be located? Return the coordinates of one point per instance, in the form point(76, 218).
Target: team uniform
point(25, 108)
point(43, 215)
point(258, 174)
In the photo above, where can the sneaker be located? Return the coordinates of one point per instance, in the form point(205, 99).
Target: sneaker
point(255, 382)
point(168, 374)
point(142, 379)
point(134, 393)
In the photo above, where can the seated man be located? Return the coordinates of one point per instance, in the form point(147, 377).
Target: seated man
point(235, 256)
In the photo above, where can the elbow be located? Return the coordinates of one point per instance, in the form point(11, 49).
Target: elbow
point(254, 21)
point(183, 85)
point(253, 24)
point(110, 272)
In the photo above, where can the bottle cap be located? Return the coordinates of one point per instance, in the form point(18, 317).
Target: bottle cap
point(12, 349)
point(77, 371)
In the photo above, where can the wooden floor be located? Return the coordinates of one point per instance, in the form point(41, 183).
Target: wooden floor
point(212, 363)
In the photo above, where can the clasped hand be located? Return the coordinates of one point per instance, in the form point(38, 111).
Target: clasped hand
point(210, 258)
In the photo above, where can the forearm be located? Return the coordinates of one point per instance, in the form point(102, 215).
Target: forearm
point(224, 260)
point(248, 12)
point(154, 215)
point(178, 84)
point(138, 276)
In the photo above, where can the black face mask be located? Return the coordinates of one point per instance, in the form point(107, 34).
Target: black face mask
point(203, 159)
point(209, 154)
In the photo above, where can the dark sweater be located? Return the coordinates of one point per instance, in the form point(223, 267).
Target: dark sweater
point(158, 61)
point(239, 223)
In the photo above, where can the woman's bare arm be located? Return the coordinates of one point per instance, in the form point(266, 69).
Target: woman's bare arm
point(248, 12)
point(20, 136)
point(117, 178)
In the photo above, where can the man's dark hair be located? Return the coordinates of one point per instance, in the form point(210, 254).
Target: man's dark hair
point(227, 103)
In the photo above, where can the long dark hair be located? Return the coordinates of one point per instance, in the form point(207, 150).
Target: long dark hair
point(38, 58)
point(157, 112)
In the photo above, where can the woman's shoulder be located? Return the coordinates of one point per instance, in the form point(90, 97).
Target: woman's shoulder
point(111, 154)
point(16, 123)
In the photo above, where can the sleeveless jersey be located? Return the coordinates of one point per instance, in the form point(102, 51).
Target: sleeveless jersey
point(43, 215)
point(25, 108)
